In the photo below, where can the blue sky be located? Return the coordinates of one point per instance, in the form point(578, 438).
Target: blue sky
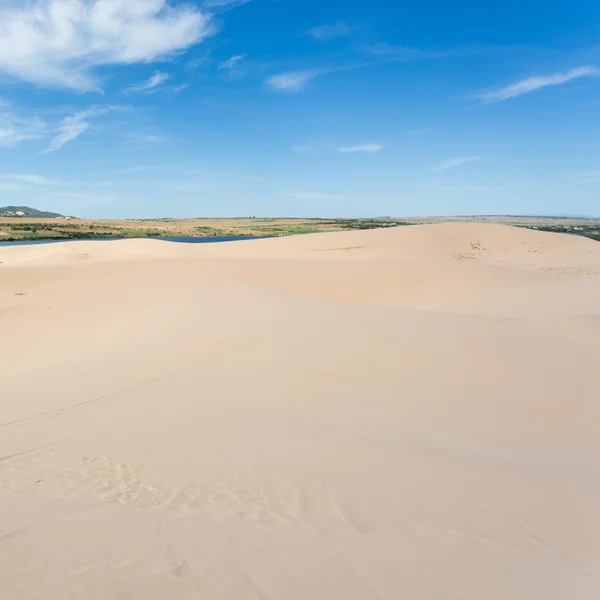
point(149, 108)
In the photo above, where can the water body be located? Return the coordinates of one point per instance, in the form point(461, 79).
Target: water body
point(187, 240)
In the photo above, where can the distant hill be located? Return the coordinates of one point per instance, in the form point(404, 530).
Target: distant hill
point(25, 211)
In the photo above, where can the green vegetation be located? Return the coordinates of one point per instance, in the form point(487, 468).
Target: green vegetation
point(373, 223)
point(287, 230)
point(300, 230)
point(212, 232)
point(283, 227)
point(139, 233)
point(14, 229)
point(589, 230)
point(22, 228)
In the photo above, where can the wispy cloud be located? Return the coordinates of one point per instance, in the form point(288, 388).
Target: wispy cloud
point(455, 162)
point(330, 32)
point(136, 169)
point(223, 4)
point(59, 43)
point(417, 133)
point(291, 81)
point(234, 67)
point(151, 138)
point(27, 182)
point(314, 148)
point(317, 147)
point(73, 202)
point(366, 56)
point(31, 179)
point(15, 128)
point(144, 138)
point(153, 84)
point(230, 63)
point(70, 128)
point(393, 52)
point(10, 186)
point(19, 183)
point(537, 82)
point(365, 148)
point(584, 177)
point(322, 197)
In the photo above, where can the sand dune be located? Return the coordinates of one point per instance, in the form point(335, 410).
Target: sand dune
point(406, 413)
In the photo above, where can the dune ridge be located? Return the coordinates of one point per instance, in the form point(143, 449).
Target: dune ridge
point(401, 413)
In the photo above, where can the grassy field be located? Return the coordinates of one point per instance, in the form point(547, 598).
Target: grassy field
point(14, 229)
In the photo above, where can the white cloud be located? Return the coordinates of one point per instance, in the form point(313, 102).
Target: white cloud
point(230, 63)
point(538, 82)
point(14, 134)
point(58, 43)
point(152, 84)
point(72, 127)
point(368, 148)
point(455, 162)
point(15, 129)
point(291, 81)
point(330, 32)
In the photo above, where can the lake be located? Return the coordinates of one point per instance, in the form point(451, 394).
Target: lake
point(186, 240)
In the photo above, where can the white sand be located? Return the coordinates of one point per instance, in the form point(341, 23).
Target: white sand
point(403, 414)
